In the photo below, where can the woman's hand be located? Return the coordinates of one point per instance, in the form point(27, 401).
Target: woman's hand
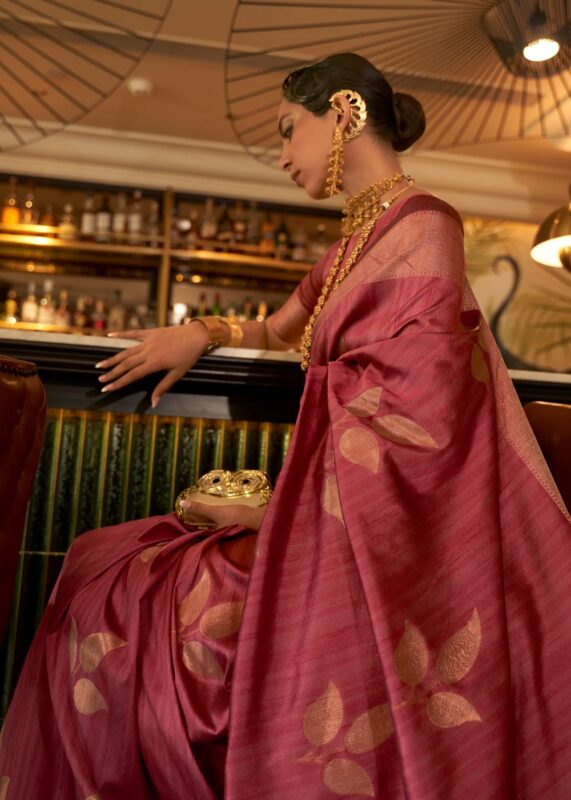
point(224, 515)
point(175, 349)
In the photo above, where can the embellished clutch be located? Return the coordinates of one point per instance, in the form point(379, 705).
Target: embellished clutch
point(250, 487)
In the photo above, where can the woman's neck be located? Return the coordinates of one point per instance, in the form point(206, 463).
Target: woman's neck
point(367, 162)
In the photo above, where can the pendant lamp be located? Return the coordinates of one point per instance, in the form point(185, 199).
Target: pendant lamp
point(552, 244)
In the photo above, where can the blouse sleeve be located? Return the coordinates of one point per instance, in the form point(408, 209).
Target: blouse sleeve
point(310, 287)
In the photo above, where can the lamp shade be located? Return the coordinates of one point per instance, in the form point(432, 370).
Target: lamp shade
point(552, 244)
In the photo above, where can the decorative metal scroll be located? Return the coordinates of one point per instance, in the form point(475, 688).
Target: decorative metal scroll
point(59, 59)
point(438, 50)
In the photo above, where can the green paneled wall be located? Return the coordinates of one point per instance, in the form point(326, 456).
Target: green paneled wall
point(100, 469)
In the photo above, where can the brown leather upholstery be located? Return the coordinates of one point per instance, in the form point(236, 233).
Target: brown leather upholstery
point(551, 424)
point(22, 418)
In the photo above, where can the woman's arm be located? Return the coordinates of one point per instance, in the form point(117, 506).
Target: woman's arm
point(176, 349)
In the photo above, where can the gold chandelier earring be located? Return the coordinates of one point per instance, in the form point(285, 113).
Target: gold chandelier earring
point(358, 107)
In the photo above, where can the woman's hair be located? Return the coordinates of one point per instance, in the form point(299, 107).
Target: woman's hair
point(397, 118)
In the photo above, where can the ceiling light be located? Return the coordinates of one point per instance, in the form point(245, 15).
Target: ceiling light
point(541, 50)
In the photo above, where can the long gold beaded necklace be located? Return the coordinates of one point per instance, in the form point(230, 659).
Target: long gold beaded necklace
point(360, 212)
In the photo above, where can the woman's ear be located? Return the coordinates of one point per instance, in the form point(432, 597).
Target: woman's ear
point(342, 109)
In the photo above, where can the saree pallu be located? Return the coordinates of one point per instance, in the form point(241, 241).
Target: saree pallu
point(404, 634)
point(407, 630)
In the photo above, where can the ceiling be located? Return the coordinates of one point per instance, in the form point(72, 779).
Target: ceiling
point(186, 66)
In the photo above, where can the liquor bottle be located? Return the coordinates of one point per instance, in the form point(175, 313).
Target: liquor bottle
point(209, 223)
point(135, 217)
point(217, 306)
point(299, 243)
point(117, 315)
point(29, 311)
point(103, 221)
point(48, 217)
point(99, 316)
point(11, 307)
point(318, 245)
point(283, 241)
point(87, 221)
point(63, 313)
point(184, 228)
point(253, 223)
point(194, 232)
point(153, 226)
point(119, 221)
point(67, 228)
point(202, 307)
point(239, 222)
point(46, 310)
point(262, 312)
point(11, 210)
point(175, 236)
point(80, 313)
point(247, 311)
point(225, 233)
point(29, 214)
point(267, 244)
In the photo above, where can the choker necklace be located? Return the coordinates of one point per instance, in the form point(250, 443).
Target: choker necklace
point(361, 212)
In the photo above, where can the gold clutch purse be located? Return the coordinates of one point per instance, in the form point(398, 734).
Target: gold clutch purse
point(250, 487)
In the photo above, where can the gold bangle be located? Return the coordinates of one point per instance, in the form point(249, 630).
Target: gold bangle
point(217, 328)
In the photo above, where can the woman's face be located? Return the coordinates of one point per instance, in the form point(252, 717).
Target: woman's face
point(306, 142)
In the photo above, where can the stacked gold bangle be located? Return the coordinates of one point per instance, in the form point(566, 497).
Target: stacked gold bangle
point(218, 328)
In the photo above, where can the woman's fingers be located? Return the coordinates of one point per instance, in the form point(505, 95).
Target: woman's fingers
point(133, 374)
point(118, 357)
point(123, 368)
point(165, 384)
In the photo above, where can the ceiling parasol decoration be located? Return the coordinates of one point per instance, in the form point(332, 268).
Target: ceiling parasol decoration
point(463, 59)
point(59, 59)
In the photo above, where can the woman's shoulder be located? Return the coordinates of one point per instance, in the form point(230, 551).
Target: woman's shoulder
point(421, 200)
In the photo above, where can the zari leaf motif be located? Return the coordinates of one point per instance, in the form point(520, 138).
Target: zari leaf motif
point(365, 404)
point(195, 600)
point(87, 697)
point(4, 783)
point(330, 497)
point(200, 660)
point(221, 620)
point(323, 717)
point(95, 646)
point(343, 776)
point(458, 654)
point(369, 730)
point(402, 431)
point(360, 446)
point(411, 656)
point(448, 710)
point(72, 644)
point(478, 366)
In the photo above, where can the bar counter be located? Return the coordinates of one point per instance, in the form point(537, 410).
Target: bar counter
point(227, 384)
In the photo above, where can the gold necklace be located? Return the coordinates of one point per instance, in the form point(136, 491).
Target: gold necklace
point(360, 212)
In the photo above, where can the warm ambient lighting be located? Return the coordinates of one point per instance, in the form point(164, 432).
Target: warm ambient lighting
point(541, 50)
point(552, 244)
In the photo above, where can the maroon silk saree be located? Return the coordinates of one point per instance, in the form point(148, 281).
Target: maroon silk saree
point(404, 632)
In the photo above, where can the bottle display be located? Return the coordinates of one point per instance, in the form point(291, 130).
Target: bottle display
point(234, 231)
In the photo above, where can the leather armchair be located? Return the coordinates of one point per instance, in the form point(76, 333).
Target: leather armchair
point(551, 424)
point(22, 419)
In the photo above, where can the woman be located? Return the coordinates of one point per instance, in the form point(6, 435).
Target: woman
point(405, 632)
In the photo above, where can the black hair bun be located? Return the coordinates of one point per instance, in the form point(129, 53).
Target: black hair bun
point(410, 121)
